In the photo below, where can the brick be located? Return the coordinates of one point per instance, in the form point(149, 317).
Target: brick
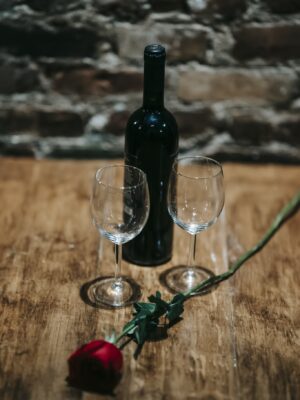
point(261, 86)
point(18, 78)
point(34, 40)
point(183, 42)
point(226, 8)
point(121, 10)
point(258, 126)
point(250, 127)
point(167, 5)
point(17, 120)
point(117, 122)
point(90, 81)
point(268, 41)
point(53, 5)
point(132, 40)
point(12, 149)
point(5, 5)
point(283, 6)
point(288, 129)
point(59, 123)
point(193, 122)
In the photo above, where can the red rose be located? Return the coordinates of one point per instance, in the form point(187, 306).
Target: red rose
point(96, 366)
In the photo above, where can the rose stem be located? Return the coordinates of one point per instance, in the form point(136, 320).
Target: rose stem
point(285, 212)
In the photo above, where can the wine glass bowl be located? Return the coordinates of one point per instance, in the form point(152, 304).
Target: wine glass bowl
point(201, 196)
point(195, 201)
point(120, 204)
point(119, 209)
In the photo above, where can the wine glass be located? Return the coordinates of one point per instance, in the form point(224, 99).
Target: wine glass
point(195, 201)
point(119, 208)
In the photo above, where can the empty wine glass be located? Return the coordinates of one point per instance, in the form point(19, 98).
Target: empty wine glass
point(195, 200)
point(119, 208)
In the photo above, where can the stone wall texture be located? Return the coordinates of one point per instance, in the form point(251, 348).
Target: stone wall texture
point(71, 72)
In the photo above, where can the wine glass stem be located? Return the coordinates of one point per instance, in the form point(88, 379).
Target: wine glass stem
point(192, 252)
point(118, 279)
point(100, 251)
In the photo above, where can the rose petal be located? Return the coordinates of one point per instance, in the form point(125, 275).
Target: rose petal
point(95, 366)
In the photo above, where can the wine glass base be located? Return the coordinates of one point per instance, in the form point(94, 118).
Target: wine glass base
point(182, 278)
point(107, 293)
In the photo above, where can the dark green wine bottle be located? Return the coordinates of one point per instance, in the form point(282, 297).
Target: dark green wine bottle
point(151, 144)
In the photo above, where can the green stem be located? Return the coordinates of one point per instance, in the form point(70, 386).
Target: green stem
point(122, 334)
point(285, 212)
point(281, 217)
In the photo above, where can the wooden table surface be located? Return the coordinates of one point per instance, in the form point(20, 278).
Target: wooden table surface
point(239, 342)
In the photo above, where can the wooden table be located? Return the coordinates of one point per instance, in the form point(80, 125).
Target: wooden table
point(239, 342)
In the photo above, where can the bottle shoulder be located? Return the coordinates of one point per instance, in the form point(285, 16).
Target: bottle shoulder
point(152, 121)
point(151, 132)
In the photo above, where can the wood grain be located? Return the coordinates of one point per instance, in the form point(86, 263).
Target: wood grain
point(239, 342)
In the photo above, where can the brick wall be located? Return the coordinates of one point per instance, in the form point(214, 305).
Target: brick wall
point(71, 72)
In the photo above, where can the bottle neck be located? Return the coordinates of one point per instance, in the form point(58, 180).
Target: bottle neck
point(154, 81)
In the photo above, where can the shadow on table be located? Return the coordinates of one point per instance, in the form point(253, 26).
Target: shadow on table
point(157, 335)
point(88, 296)
point(163, 279)
point(105, 385)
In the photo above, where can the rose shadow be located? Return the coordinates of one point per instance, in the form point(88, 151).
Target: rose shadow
point(87, 293)
point(160, 334)
point(163, 280)
point(105, 388)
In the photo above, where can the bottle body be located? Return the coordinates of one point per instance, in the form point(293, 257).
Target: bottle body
point(151, 144)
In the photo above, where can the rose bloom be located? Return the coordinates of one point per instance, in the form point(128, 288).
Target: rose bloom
point(96, 366)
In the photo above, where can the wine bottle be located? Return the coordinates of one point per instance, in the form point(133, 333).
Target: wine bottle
point(151, 144)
